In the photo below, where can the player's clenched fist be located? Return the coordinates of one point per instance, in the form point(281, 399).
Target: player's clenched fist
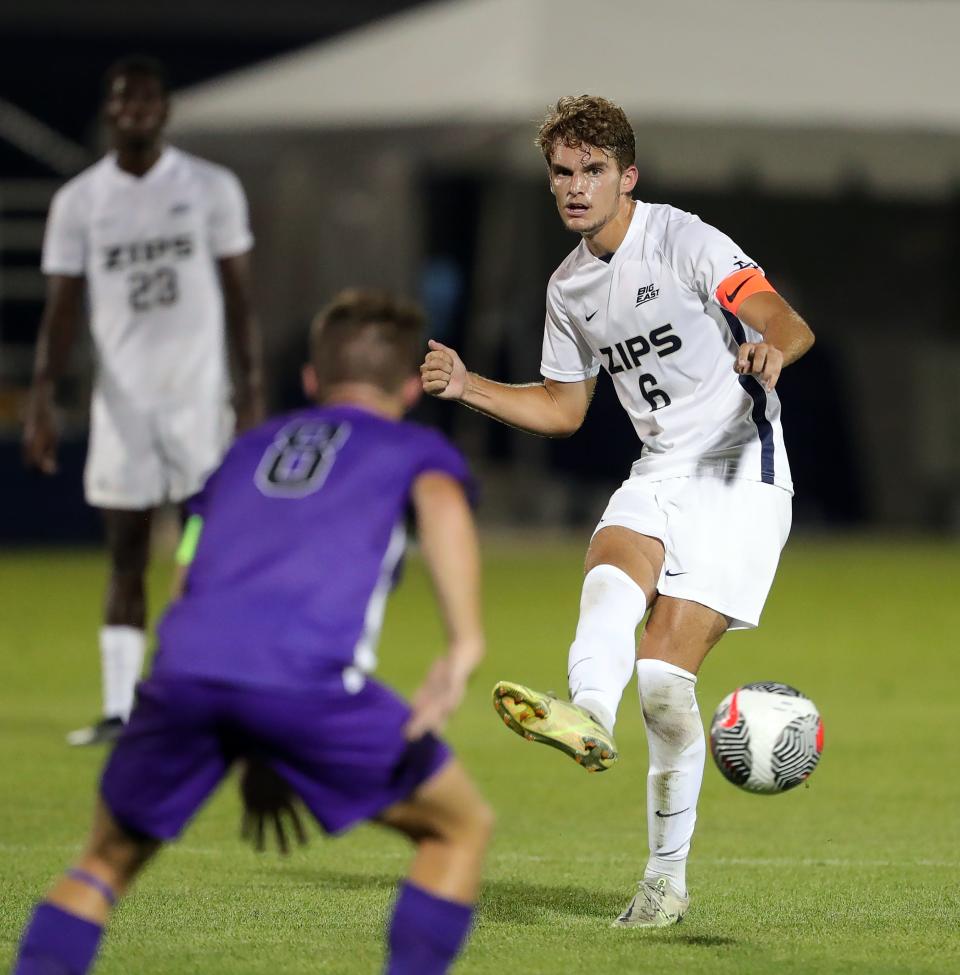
point(443, 374)
point(762, 360)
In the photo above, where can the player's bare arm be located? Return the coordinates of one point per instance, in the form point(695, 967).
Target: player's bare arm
point(244, 336)
point(448, 539)
point(548, 408)
point(54, 342)
point(786, 337)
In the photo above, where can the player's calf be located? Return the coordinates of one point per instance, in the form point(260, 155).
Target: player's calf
point(64, 931)
point(114, 853)
point(451, 825)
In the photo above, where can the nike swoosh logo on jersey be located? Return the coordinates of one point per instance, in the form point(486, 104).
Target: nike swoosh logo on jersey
point(671, 574)
point(736, 290)
point(592, 314)
point(664, 815)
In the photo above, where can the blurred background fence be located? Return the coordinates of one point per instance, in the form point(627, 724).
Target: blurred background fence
point(392, 145)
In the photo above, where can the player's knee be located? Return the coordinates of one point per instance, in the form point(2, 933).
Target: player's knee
point(127, 568)
point(127, 587)
point(472, 824)
point(129, 548)
point(120, 853)
point(121, 867)
point(484, 822)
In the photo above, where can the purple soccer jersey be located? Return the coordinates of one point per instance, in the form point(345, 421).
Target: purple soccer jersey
point(303, 531)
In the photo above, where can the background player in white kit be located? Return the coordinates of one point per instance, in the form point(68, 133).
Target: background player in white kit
point(694, 339)
point(160, 241)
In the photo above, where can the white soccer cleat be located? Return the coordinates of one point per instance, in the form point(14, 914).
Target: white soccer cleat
point(655, 905)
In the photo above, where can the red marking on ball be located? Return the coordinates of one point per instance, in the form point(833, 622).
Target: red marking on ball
point(734, 714)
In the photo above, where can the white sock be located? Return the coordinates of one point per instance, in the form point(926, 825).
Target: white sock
point(604, 651)
point(121, 657)
point(677, 750)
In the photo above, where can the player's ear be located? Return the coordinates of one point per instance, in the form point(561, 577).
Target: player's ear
point(311, 382)
point(410, 392)
point(628, 179)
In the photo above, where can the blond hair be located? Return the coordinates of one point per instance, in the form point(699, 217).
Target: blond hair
point(367, 336)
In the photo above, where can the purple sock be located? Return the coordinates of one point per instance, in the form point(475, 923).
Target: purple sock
point(426, 932)
point(57, 943)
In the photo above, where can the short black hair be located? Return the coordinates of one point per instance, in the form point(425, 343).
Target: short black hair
point(367, 336)
point(141, 65)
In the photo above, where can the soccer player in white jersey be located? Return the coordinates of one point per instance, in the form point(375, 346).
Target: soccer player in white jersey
point(159, 241)
point(694, 339)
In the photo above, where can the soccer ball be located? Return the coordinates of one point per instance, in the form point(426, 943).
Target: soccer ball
point(766, 737)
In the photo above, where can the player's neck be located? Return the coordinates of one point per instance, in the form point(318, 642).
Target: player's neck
point(610, 236)
point(138, 160)
point(365, 397)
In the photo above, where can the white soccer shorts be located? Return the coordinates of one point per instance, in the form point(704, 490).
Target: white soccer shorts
point(722, 538)
point(139, 458)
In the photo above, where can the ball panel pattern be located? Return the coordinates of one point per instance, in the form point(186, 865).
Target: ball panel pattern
point(730, 743)
point(796, 752)
point(772, 687)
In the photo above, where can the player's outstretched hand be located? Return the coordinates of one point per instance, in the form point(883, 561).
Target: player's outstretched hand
point(436, 699)
point(443, 373)
point(762, 360)
point(40, 435)
point(268, 798)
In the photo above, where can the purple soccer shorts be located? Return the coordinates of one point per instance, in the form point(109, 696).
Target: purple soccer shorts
point(344, 754)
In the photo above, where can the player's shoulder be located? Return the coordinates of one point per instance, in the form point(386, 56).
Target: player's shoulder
point(427, 437)
point(416, 442)
point(401, 434)
point(678, 234)
point(664, 223)
point(429, 451)
point(287, 423)
point(568, 267)
point(204, 170)
point(80, 187)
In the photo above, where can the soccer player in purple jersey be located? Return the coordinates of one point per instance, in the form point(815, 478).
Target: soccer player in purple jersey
point(266, 655)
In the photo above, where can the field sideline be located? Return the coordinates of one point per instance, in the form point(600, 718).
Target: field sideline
point(857, 873)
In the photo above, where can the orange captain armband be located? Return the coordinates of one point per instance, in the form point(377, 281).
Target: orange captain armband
point(735, 288)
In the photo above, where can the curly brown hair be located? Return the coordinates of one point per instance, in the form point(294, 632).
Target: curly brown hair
point(578, 120)
point(367, 336)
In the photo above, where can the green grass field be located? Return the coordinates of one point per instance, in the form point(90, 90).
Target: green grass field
point(857, 873)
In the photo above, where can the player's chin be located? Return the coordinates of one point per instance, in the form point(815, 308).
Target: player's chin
point(139, 137)
point(579, 220)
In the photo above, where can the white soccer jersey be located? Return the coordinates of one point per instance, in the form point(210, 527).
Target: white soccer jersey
point(148, 247)
point(659, 317)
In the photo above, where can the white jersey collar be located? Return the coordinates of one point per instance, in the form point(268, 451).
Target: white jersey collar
point(637, 221)
point(167, 158)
